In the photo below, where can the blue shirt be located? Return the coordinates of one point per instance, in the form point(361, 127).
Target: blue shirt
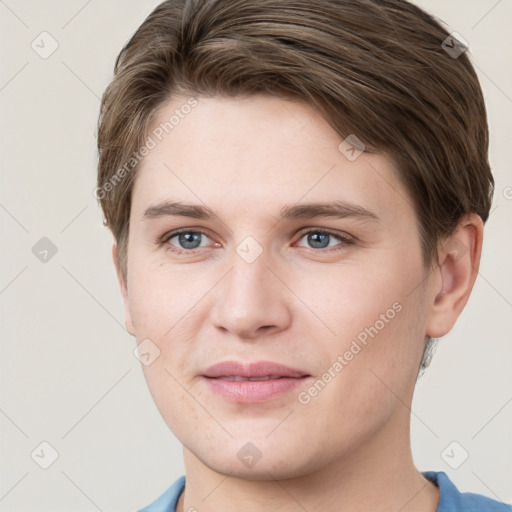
point(450, 498)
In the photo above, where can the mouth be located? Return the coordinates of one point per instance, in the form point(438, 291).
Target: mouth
point(252, 382)
point(252, 379)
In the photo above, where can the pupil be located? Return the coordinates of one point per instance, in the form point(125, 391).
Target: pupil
point(314, 238)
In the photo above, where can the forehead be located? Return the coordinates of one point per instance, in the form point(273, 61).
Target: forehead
point(262, 153)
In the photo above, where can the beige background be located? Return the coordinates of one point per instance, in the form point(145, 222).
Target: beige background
point(68, 374)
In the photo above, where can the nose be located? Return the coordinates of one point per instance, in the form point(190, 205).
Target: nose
point(252, 301)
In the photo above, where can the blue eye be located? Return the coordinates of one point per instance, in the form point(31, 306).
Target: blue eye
point(320, 238)
point(189, 240)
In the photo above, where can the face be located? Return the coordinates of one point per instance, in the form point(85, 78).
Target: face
point(267, 279)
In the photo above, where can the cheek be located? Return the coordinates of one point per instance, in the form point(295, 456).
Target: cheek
point(351, 300)
point(369, 365)
point(158, 298)
point(378, 327)
point(168, 309)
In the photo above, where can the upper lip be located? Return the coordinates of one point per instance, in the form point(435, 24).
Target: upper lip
point(248, 370)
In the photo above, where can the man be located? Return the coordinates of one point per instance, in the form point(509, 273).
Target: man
point(297, 191)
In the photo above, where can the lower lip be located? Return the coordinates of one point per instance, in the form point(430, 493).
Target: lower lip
point(253, 391)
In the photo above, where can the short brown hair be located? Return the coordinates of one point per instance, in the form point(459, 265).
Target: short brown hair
point(377, 69)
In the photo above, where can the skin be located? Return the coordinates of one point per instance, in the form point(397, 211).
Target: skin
point(298, 304)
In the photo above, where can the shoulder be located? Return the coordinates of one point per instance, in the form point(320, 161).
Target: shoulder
point(452, 500)
point(168, 500)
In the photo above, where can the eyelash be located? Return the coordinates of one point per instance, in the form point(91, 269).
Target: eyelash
point(345, 239)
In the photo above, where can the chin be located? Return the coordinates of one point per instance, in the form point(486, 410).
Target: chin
point(268, 471)
point(260, 459)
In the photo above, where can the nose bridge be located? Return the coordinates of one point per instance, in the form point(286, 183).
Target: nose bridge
point(250, 274)
point(251, 299)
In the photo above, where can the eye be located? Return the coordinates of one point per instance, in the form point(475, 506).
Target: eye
point(321, 238)
point(188, 241)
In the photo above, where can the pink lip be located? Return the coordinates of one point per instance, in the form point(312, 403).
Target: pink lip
point(247, 370)
point(219, 379)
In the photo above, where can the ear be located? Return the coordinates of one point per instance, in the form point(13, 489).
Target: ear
point(459, 261)
point(124, 292)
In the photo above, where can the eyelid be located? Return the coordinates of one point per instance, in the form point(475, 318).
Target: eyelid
point(343, 237)
point(170, 234)
point(333, 232)
point(164, 239)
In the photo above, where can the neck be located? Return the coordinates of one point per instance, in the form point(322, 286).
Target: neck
point(378, 475)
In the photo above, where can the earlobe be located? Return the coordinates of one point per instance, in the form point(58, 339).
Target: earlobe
point(124, 292)
point(459, 260)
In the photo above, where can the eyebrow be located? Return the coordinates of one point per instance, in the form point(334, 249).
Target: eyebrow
point(332, 209)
